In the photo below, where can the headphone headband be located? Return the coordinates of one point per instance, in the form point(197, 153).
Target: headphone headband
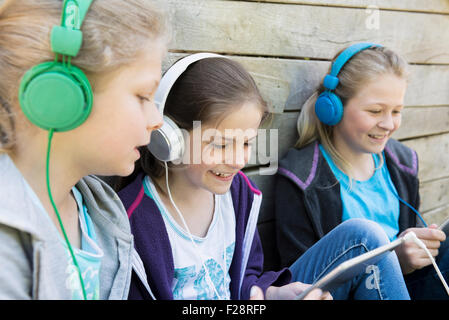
point(331, 81)
point(167, 143)
point(66, 39)
point(328, 107)
point(173, 73)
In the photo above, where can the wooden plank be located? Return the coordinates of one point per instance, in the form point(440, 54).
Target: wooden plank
point(434, 194)
point(431, 6)
point(427, 85)
point(418, 122)
point(283, 30)
point(286, 84)
point(437, 216)
point(433, 156)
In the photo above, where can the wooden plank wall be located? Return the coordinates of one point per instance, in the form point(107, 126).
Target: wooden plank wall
point(287, 46)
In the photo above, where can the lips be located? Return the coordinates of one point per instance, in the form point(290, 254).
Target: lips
point(222, 176)
point(378, 136)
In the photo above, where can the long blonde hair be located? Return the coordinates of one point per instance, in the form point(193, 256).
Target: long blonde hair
point(114, 31)
point(361, 69)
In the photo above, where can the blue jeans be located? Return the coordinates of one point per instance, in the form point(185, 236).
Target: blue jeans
point(349, 239)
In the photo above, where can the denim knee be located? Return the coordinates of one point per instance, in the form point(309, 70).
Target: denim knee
point(366, 231)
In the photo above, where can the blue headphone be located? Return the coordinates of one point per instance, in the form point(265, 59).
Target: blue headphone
point(328, 107)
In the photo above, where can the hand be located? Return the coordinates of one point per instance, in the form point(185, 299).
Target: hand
point(411, 257)
point(289, 292)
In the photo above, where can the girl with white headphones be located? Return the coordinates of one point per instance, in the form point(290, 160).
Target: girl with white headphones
point(195, 220)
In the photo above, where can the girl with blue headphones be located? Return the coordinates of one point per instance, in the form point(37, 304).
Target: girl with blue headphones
point(345, 165)
point(76, 100)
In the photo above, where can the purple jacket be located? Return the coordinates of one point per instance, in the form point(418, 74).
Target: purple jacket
point(154, 278)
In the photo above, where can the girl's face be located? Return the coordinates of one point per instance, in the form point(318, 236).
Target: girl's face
point(225, 149)
point(122, 118)
point(372, 116)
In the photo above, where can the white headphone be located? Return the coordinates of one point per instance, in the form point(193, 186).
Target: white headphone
point(167, 143)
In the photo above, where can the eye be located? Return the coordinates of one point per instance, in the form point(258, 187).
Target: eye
point(397, 111)
point(143, 98)
point(374, 111)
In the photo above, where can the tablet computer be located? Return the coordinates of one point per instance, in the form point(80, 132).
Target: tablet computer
point(350, 268)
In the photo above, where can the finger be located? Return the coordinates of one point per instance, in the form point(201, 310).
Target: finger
point(298, 287)
point(256, 293)
point(327, 296)
point(422, 254)
point(429, 234)
point(432, 244)
point(414, 253)
point(315, 294)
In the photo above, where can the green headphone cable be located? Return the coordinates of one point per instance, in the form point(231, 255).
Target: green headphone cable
point(50, 137)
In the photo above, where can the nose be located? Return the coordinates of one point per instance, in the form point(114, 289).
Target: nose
point(387, 122)
point(155, 118)
point(240, 157)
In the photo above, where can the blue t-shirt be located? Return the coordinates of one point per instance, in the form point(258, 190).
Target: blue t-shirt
point(372, 199)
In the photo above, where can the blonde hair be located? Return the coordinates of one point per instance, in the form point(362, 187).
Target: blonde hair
point(114, 32)
point(364, 67)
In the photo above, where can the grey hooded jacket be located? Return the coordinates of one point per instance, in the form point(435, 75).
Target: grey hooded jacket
point(33, 260)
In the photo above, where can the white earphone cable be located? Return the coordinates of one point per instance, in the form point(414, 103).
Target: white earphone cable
point(192, 240)
point(412, 236)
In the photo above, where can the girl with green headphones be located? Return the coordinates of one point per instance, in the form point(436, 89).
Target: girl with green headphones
point(75, 100)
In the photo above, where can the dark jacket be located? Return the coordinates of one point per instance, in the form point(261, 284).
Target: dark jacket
point(307, 196)
point(153, 245)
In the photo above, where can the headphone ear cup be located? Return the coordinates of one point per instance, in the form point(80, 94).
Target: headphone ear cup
point(53, 96)
point(329, 108)
point(167, 143)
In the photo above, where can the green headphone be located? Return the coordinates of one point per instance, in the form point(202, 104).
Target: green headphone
point(57, 95)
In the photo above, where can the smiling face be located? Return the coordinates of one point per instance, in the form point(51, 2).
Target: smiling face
point(122, 119)
point(371, 116)
point(225, 149)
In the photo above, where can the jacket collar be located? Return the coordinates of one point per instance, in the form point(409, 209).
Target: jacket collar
point(305, 166)
point(145, 214)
